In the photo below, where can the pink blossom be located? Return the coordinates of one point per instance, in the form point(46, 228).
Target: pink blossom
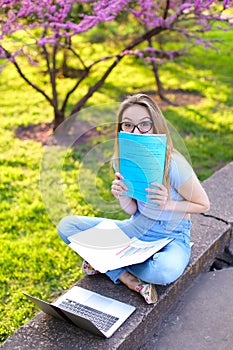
point(55, 21)
point(199, 41)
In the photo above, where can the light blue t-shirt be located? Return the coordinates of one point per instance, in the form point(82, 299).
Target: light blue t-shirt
point(179, 172)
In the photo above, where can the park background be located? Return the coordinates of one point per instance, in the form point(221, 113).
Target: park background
point(33, 257)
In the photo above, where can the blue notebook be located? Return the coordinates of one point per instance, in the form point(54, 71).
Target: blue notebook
point(141, 161)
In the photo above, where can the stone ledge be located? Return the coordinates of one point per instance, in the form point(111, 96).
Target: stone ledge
point(211, 235)
point(43, 332)
point(219, 189)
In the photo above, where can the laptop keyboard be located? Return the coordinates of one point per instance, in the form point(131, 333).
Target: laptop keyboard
point(101, 320)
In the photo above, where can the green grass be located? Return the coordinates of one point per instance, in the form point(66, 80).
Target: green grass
point(33, 258)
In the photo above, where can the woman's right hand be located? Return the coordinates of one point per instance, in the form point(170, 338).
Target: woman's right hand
point(118, 187)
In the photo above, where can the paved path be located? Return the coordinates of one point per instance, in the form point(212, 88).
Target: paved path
point(202, 319)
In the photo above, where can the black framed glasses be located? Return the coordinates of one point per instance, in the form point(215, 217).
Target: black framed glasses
point(143, 127)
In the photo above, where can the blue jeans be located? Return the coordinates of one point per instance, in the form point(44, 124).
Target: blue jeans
point(164, 266)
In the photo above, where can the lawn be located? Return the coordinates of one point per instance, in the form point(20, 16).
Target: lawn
point(33, 257)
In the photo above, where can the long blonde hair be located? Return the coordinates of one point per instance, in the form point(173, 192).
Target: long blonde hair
point(159, 125)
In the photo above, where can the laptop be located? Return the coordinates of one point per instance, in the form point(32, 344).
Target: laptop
point(86, 309)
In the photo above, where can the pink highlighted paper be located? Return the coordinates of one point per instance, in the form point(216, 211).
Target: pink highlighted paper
point(106, 247)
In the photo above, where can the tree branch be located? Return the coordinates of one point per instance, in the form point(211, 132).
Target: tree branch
point(84, 75)
point(51, 72)
point(94, 88)
point(53, 77)
point(19, 70)
point(166, 9)
point(78, 56)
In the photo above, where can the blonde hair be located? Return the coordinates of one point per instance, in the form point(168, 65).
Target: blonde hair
point(159, 125)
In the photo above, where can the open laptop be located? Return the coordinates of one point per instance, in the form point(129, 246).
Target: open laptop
point(86, 309)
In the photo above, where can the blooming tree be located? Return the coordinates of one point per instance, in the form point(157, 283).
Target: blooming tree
point(53, 26)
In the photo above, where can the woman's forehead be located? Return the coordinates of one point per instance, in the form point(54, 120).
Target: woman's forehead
point(135, 112)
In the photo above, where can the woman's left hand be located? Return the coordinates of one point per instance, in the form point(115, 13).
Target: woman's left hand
point(158, 195)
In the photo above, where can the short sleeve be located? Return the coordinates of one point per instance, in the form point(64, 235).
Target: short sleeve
point(179, 171)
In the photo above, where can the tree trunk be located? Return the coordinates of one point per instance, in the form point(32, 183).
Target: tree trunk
point(59, 118)
point(64, 67)
point(157, 78)
point(158, 81)
point(156, 74)
point(160, 86)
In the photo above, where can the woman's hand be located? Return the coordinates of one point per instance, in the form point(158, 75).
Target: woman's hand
point(128, 204)
point(118, 187)
point(158, 195)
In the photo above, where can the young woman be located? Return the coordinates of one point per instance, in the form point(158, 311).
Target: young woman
point(180, 195)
